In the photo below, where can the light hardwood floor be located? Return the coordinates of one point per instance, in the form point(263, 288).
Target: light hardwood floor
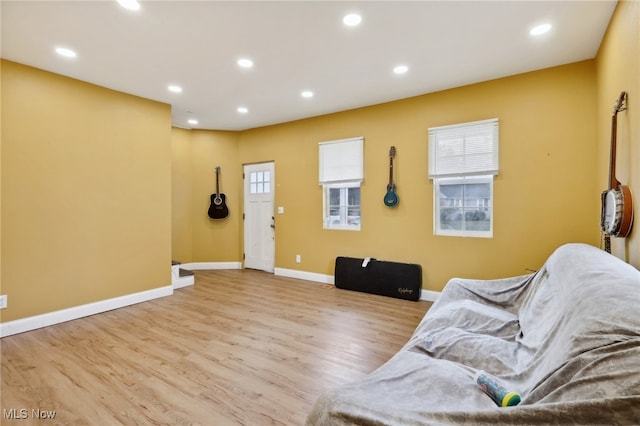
point(241, 347)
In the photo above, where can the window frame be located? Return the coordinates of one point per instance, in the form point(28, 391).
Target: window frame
point(437, 215)
point(344, 224)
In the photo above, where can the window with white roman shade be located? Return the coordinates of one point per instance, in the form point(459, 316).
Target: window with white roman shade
point(341, 170)
point(341, 161)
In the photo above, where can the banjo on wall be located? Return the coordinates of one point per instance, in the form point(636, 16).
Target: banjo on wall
point(616, 218)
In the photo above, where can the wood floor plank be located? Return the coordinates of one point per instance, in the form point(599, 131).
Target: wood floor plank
point(240, 347)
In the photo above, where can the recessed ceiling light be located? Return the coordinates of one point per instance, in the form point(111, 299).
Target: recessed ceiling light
point(129, 4)
point(400, 69)
point(307, 94)
point(193, 121)
point(352, 19)
point(243, 110)
point(175, 89)
point(540, 29)
point(245, 63)
point(67, 53)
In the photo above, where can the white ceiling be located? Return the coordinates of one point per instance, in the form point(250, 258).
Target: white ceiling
point(295, 46)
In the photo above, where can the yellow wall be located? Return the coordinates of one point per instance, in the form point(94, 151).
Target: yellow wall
point(197, 238)
point(99, 193)
point(181, 193)
point(86, 192)
point(543, 194)
point(1, 288)
point(554, 151)
point(618, 69)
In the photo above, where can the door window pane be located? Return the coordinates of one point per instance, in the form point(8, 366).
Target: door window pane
point(260, 182)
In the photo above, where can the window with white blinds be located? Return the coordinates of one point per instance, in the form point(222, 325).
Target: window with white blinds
point(465, 149)
point(341, 161)
point(463, 160)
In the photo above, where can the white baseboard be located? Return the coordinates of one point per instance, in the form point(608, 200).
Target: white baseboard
point(32, 323)
point(178, 282)
point(194, 266)
point(302, 275)
point(427, 295)
point(183, 281)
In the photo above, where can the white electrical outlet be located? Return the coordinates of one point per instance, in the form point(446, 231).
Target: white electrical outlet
point(3, 301)
point(298, 258)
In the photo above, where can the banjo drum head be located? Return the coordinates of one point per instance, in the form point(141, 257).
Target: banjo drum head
point(612, 211)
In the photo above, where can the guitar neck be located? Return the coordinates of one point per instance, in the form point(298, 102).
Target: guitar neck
point(620, 106)
point(217, 181)
point(613, 182)
point(391, 171)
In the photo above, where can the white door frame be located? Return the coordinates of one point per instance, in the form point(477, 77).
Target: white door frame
point(259, 216)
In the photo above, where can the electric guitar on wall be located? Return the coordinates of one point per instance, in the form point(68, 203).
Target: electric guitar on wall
point(391, 198)
point(616, 218)
point(218, 208)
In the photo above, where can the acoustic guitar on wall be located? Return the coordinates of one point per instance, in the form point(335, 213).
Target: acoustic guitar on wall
point(218, 208)
point(391, 198)
point(616, 217)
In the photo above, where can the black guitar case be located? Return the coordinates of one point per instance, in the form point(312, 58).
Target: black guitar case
point(400, 280)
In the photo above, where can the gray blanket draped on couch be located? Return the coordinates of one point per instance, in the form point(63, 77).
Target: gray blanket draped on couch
point(567, 338)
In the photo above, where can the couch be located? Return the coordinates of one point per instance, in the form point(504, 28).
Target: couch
point(567, 338)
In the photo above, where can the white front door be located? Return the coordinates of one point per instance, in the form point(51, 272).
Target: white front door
point(259, 217)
